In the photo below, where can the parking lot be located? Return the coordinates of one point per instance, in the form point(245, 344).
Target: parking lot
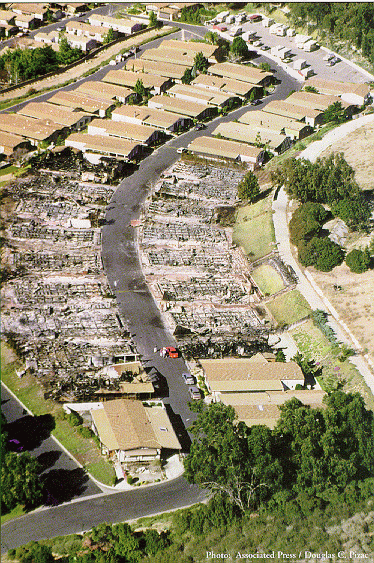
point(341, 71)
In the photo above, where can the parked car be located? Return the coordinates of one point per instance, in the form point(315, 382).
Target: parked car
point(255, 102)
point(328, 57)
point(200, 126)
point(181, 150)
point(188, 378)
point(194, 393)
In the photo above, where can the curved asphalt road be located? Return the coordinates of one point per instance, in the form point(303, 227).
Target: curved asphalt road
point(82, 515)
point(137, 307)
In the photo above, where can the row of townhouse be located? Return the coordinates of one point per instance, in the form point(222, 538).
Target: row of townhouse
point(26, 16)
point(175, 106)
point(255, 387)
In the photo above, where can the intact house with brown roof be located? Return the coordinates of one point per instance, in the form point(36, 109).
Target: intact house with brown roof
point(38, 10)
point(166, 121)
point(218, 149)
point(279, 124)
point(152, 82)
point(210, 52)
point(82, 29)
point(130, 432)
point(249, 74)
point(351, 92)
point(312, 117)
point(95, 146)
point(167, 69)
point(24, 21)
point(36, 130)
point(141, 133)
point(71, 120)
point(85, 44)
point(247, 375)
point(106, 91)
point(258, 136)
point(255, 387)
point(228, 85)
point(81, 102)
point(124, 26)
point(192, 93)
point(10, 143)
point(193, 110)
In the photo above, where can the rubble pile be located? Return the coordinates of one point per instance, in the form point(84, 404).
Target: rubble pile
point(200, 280)
point(58, 309)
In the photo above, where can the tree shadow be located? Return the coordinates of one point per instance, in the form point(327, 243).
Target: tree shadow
point(179, 428)
point(62, 485)
point(48, 459)
point(31, 431)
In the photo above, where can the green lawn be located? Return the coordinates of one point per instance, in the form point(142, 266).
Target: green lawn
point(15, 513)
point(8, 170)
point(28, 390)
point(289, 308)
point(267, 279)
point(255, 235)
point(315, 346)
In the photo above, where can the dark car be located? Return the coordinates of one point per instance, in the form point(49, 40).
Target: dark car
point(188, 378)
point(200, 126)
point(255, 102)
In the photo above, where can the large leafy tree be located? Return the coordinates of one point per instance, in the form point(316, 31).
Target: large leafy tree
point(201, 63)
point(358, 260)
point(322, 253)
point(225, 457)
point(239, 48)
point(307, 221)
point(249, 187)
point(20, 481)
point(310, 454)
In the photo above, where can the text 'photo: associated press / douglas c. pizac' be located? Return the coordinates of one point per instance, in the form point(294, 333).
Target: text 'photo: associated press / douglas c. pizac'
point(187, 341)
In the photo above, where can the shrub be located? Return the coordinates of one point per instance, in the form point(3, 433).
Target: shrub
point(85, 432)
point(322, 253)
point(358, 261)
point(249, 187)
point(74, 419)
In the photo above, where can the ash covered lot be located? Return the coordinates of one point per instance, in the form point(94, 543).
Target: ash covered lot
point(57, 308)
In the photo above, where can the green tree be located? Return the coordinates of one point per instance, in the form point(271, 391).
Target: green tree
point(355, 212)
point(152, 19)
point(66, 54)
point(201, 63)
point(322, 253)
point(33, 552)
point(249, 188)
point(335, 113)
point(306, 221)
point(224, 457)
point(265, 66)
point(187, 76)
point(280, 356)
point(239, 48)
point(212, 37)
point(311, 89)
point(139, 88)
point(109, 36)
point(20, 481)
point(358, 261)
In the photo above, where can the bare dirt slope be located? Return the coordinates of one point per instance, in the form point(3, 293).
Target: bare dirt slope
point(358, 149)
point(354, 302)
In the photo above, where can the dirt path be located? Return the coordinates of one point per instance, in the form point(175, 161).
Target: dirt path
point(79, 70)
